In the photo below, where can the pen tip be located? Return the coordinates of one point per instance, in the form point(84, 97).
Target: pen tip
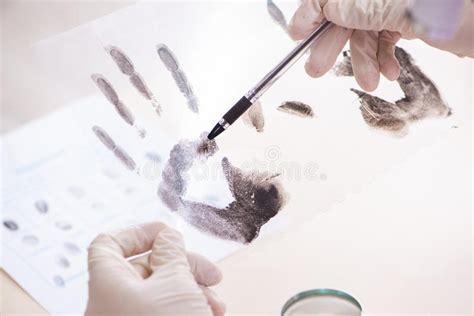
point(215, 131)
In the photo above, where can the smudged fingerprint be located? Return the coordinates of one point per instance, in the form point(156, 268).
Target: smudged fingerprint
point(171, 63)
point(123, 62)
point(10, 225)
point(125, 158)
point(62, 261)
point(71, 248)
point(63, 225)
point(119, 152)
point(254, 117)
point(153, 156)
point(104, 137)
point(76, 191)
point(296, 108)
point(59, 281)
point(30, 240)
point(277, 15)
point(106, 88)
point(167, 57)
point(422, 98)
point(125, 65)
point(109, 92)
point(42, 206)
point(257, 196)
point(174, 183)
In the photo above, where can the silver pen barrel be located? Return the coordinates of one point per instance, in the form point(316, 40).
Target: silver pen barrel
point(262, 86)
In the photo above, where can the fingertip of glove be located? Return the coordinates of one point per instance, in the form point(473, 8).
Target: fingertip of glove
point(314, 68)
point(368, 83)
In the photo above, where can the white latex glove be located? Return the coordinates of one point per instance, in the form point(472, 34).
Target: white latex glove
point(168, 281)
point(373, 28)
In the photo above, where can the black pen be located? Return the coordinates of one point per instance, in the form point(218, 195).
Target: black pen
point(255, 93)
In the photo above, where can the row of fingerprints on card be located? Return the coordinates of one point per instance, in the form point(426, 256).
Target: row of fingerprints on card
point(50, 229)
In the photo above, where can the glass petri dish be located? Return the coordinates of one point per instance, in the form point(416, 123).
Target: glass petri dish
point(325, 302)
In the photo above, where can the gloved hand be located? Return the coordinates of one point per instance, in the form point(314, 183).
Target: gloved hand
point(168, 281)
point(373, 27)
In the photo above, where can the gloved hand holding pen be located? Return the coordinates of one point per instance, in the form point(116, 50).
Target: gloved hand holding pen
point(168, 281)
point(373, 28)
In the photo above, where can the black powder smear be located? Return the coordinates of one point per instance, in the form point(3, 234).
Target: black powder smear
point(382, 114)
point(207, 148)
point(296, 108)
point(253, 117)
point(171, 63)
point(258, 196)
point(174, 175)
point(125, 65)
point(277, 16)
point(422, 99)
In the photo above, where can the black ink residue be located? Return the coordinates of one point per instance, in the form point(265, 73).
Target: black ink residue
point(296, 108)
point(254, 117)
point(422, 99)
point(257, 196)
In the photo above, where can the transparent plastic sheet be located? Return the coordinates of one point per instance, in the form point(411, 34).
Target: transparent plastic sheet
point(322, 159)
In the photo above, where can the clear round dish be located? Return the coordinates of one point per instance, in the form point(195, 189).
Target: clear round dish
point(325, 302)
